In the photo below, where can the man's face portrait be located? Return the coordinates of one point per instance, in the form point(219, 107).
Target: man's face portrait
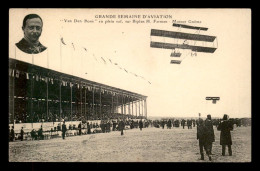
point(33, 29)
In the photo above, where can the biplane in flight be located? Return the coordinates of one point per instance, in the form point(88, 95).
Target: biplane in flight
point(184, 41)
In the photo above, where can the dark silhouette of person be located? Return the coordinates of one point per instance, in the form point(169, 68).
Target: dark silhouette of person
point(203, 137)
point(169, 124)
point(12, 134)
point(40, 134)
point(32, 29)
point(121, 126)
point(79, 127)
point(183, 123)
point(63, 129)
point(141, 125)
point(225, 136)
point(22, 132)
point(88, 127)
point(209, 125)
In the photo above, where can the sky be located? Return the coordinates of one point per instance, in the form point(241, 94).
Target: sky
point(175, 90)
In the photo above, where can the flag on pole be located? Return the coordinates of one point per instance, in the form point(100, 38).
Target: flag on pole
point(95, 57)
point(103, 59)
point(73, 46)
point(62, 41)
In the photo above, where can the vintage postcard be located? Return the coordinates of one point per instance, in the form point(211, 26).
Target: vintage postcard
point(129, 85)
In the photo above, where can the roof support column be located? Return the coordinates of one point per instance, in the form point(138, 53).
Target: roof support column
point(60, 97)
point(100, 109)
point(93, 101)
point(85, 102)
point(71, 85)
point(47, 97)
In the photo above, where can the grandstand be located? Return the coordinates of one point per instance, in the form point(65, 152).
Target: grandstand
point(42, 95)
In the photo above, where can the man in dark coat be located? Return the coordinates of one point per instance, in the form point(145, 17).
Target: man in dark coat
point(225, 136)
point(114, 125)
point(88, 127)
point(33, 134)
point(162, 124)
point(141, 124)
point(132, 124)
point(79, 127)
point(108, 126)
point(203, 137)
point(121, 126)
point(40, 134)
point(189, 123)
point(169, 124)
point(209, 125)
point(22, 132)
point(63, 129)
point(183, 123)
point(32, 29)
point(12, 134)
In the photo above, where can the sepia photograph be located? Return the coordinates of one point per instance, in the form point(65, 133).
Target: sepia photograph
point(130, 85)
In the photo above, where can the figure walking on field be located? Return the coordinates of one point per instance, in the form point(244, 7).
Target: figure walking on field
point(141, 124)
point(22, 132)
point(225, 127)
point(209, 125)
point(63, 129)
point(203, 135)
point(121, 126)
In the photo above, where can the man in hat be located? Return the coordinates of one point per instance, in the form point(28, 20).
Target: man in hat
point(22, 132)
point(203, 137)
point(63, 129)
point(209, 125)
point(225, 136)
point(140, 125)
point(12, 134)
point(121, 126)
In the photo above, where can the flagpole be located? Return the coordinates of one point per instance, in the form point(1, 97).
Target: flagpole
point(100, 109)
point(60, 97)
point(13, 96)
point(70, 101)
point(93, 93)
point(80, 88)
point(48, 58)
point(71, 60)
point(15, 52)
point(47, 84)
point(85, 102)
point(47, 97)
point(60, 57)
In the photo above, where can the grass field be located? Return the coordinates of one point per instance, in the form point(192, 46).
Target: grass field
point(148, 145)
